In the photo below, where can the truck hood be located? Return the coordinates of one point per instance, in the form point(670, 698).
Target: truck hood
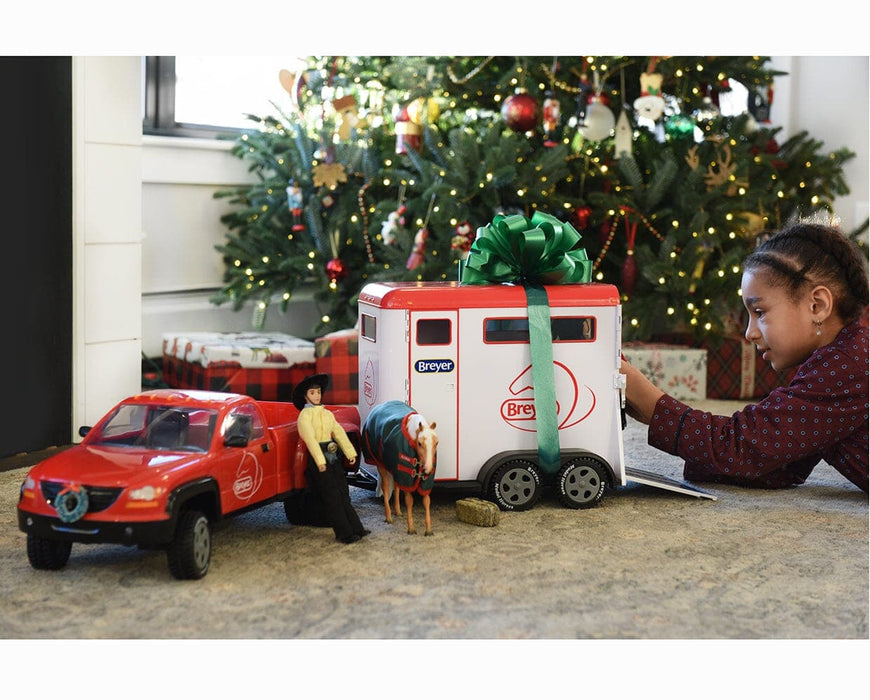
point(111, 466)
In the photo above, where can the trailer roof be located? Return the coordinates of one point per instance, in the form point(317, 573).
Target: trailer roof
point(452, 295)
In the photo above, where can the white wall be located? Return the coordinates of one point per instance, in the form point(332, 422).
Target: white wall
point(181, 224)
point(828, 97)
point(107, 236)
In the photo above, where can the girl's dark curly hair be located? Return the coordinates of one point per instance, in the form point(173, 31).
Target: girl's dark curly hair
point(810, 254)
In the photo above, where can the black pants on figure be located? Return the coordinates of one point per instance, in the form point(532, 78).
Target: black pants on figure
point(331, 486)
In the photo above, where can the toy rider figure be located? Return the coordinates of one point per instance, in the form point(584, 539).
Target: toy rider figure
point(323, 436)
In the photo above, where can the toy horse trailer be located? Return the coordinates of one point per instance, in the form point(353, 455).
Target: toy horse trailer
point(461, 356)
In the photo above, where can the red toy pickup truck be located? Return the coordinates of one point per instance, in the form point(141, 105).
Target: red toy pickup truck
point(162, 468)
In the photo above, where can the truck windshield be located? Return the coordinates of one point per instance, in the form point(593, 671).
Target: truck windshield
point(179, 428)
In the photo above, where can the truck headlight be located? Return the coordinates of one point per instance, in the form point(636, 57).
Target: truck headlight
point(146, 493)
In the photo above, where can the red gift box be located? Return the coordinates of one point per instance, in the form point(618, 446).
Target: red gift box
point(337, 355)
point(736, 370)
point(258, 383)
point(264, 366)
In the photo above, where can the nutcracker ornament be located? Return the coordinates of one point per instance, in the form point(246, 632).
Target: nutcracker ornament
point(409, 135)
point(419, 250)
point(551, 120)
point(294, 204)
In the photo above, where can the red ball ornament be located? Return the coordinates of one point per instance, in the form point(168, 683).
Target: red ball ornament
point(521, 112)
point(335, 270)
point(581, 216)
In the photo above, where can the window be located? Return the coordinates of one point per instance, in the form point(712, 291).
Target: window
point(516, 330)
point(433, 331)
point(369, 327)
point(207, 96)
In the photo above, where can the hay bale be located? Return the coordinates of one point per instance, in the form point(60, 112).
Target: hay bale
point(477, 512)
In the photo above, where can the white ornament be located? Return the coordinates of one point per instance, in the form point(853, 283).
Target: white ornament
point(599, 121)
point(622, 142)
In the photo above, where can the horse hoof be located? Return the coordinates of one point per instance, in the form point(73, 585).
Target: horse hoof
point(428, 533)
point(412, 531)
point(390, 521)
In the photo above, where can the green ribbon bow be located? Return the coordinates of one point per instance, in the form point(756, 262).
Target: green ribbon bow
point(537, 251)
point(532, 253)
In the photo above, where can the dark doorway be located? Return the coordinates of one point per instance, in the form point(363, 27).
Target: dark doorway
point(36, 284)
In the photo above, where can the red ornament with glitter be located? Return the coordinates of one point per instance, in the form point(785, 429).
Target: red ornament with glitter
point(521, 111)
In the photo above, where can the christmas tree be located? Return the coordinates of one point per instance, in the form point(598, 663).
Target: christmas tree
point(385, 167)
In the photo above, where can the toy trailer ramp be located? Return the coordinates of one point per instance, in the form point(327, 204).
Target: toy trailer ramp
point(647, 478)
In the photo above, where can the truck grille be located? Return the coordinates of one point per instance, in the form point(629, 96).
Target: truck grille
point(99, 497)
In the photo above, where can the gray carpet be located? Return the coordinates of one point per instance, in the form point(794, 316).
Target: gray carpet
point(645, 564)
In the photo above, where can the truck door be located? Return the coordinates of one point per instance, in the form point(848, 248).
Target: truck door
point(246, 474)
point(433, 386)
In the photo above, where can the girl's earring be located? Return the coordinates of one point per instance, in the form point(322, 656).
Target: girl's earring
point(818, 327)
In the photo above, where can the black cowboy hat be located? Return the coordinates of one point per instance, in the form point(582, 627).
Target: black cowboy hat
point(299, 391)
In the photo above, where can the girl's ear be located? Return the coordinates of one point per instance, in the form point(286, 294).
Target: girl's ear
point(822, 302)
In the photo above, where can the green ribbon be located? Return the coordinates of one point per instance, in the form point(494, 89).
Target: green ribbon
point(533, 253)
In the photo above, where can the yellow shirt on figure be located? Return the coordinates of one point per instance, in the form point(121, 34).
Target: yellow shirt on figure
point(316, 424)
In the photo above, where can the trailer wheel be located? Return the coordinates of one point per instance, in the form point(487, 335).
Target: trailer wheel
point(581, 483)
point(47, 554)
point(516, 485)
point(189, 554)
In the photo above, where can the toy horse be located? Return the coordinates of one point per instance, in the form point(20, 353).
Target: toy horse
point(403, 446)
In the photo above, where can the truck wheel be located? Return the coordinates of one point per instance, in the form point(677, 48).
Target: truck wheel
point(516, 485)
point(47, 554)
point(189, 554)
point(581, 483)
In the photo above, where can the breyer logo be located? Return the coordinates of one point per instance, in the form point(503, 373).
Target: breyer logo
point(520, 409)
point(426, 366)
point(574, 404)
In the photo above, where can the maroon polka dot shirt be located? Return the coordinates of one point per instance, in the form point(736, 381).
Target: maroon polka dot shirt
point(821, 415)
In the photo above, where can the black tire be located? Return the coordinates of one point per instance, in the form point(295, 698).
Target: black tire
point(189, 554)
point(47, 554)
point(516, 485)
point(581, 483)
point(305, 508)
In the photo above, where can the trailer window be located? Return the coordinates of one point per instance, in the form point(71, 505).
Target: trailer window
point(368, 327)
point(433, 331)
point(516, 330)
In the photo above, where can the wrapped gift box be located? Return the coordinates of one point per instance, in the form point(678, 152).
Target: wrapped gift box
point(736, 370)
point(265, 366)
point(337, 355)
point(678, 370)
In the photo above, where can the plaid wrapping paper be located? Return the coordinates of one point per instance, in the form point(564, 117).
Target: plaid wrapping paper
point(337, 355)
point(735, 370)
point(262, 384)
point(678, 370)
